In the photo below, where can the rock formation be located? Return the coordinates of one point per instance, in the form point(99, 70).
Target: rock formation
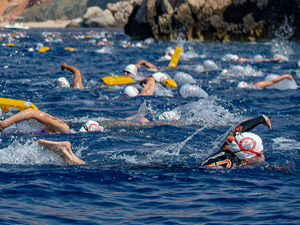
point(222, 20)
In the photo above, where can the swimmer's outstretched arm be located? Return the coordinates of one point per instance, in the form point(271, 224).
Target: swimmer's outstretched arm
point(62, 149)
point(266, 83)
point(107, 42)
point(77, 82)
point(54, 124)
point(146, 64)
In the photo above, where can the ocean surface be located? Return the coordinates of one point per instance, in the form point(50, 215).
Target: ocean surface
point(147, 173)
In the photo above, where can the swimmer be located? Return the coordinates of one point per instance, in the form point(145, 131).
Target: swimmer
point(168, 54)
point(104, 41)
point(241, 148)
point(77, 82)
point(148, 85)
point(236, 58)
point(53, 124)
point(266, 83)
point(138, 45)
point(131, 70)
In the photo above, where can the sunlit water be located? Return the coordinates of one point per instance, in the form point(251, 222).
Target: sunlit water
point(147, 173)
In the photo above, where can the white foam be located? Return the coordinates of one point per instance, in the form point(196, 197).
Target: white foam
point(29, 153)
point(210, 65)
point(189, 90)
point(183, 78)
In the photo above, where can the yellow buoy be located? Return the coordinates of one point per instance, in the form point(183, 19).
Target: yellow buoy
point(7, 104)
point(170, 83)
point(10, 44)
point(44, 49)
point(70, 49)
point(117, 80)
point(175, 57)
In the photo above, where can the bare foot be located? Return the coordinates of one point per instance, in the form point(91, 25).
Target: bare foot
point(62, 149)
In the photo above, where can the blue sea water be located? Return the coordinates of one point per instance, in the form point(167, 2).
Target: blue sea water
point(146, 173)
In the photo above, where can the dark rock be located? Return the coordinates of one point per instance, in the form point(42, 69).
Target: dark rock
point(221, 20)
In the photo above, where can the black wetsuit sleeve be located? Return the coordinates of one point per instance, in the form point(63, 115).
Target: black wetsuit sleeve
point(250, 124)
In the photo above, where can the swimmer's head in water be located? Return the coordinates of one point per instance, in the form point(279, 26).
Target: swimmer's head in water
point(247, 145)
point(171, 52)
point(224, 72)
point(139, 45)
point(234, 58)
point(242, 84)
point(91, 125)
point(159, 77)
point(63, 82)
point(131, 68)
point(130, 91)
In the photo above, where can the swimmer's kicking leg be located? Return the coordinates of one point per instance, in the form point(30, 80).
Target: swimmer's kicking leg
point(54, 124)
point(63, 150)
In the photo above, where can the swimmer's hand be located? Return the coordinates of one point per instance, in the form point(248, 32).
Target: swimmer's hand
point(267, 122)
point(63, 66)
point(288, 76)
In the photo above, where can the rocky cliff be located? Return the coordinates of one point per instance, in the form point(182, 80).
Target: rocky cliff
point(222, 20)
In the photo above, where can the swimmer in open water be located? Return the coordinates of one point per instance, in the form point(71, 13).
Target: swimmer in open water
point(246, 150)
point(53, 124)
point(148, 85)
point(131, 70)
point(241, 148)
point(266, 83)
point(77, 82)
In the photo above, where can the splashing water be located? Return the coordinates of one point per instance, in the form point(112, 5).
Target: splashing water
point(281, 44)
point(180, 40)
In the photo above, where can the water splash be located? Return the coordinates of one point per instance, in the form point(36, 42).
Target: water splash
point(180, 42)
point(280, 44)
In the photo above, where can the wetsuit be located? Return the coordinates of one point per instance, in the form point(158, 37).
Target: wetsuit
point(224, 157)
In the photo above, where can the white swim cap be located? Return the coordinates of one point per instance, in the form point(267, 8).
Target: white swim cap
point(91, 125)
point(242, 84)
point(171, 52)
point(258, 58)
point(63, 82)
point(139, 44)
point(130, 91)
point(159, 77)
point(234, 58)
point(247, 145)
point(104, 39)
point(225, 71)
point(227, 57)
point(131, 68)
